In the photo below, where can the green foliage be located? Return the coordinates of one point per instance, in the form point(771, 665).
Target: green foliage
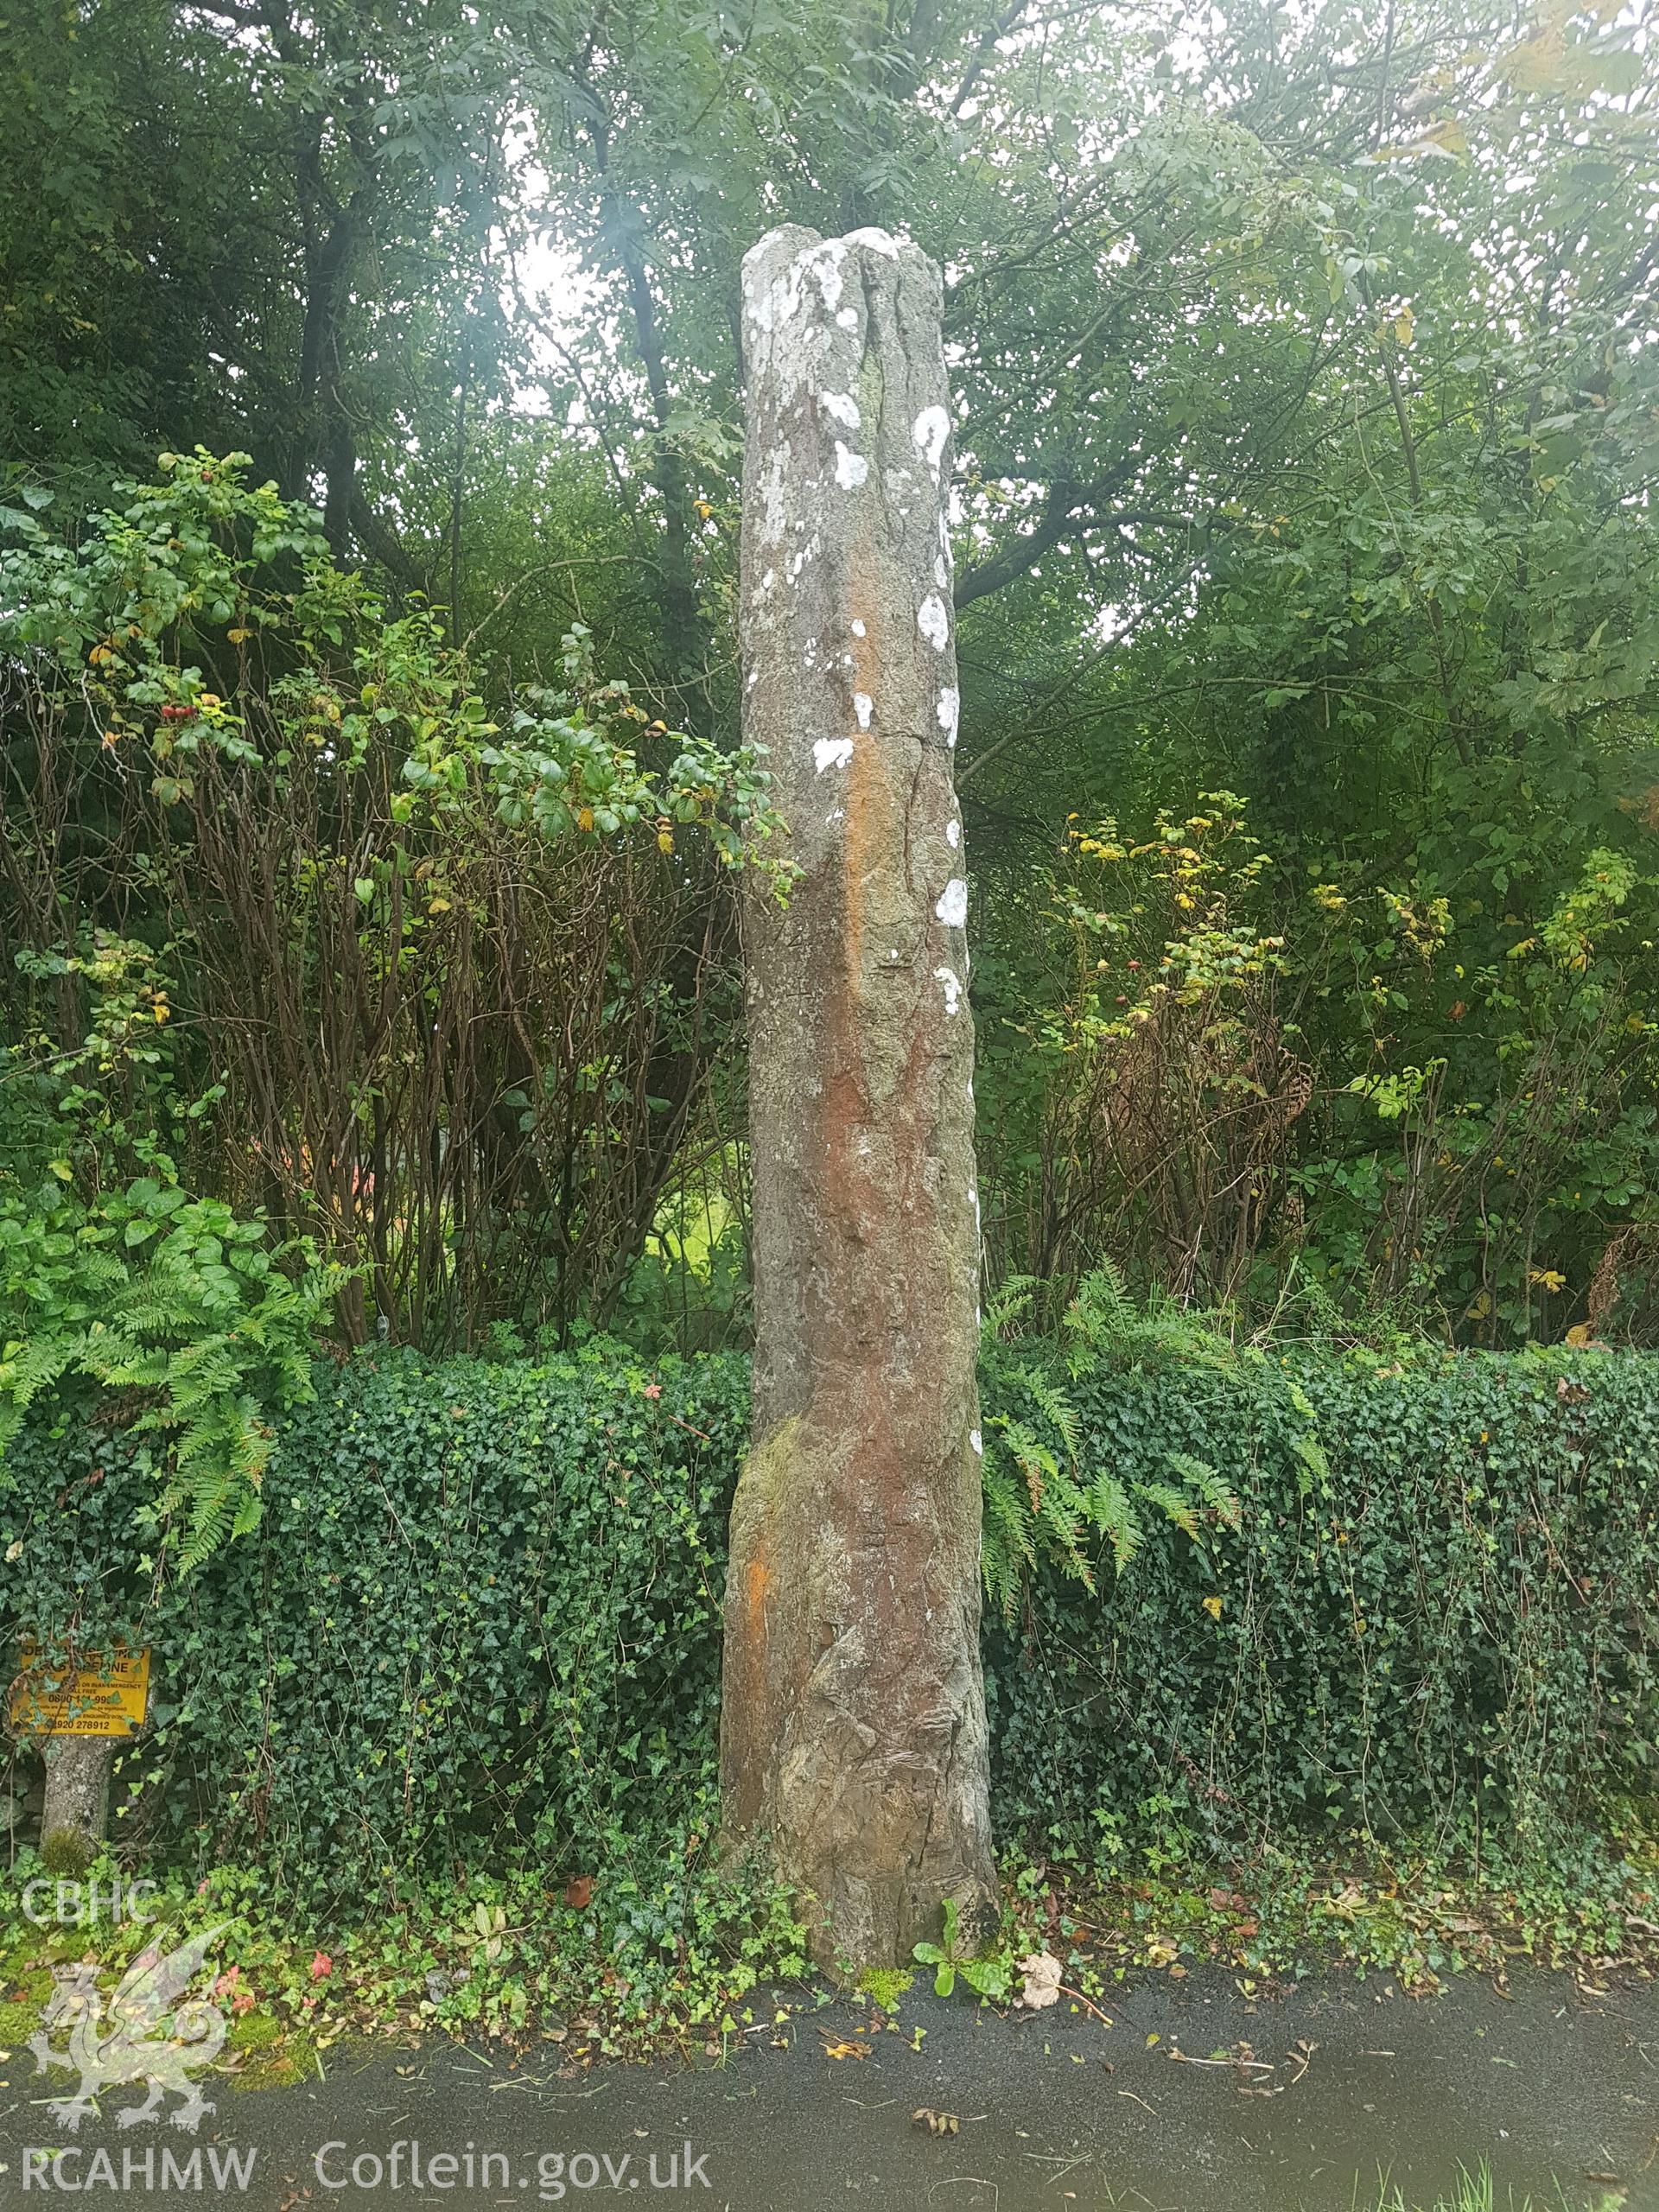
point(291, 902)
point(1424, 1623)
point(478, 1622)
point(1476, 2192)
point(659, 1942)
point(988, 1976)
point(176, 1307)
point(1306, 455)
point(117, 619)
point(1049, 1504)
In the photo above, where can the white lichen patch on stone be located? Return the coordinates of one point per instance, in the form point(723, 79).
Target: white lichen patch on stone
point(774, 501)
point(879, 241)
point(858, 628)
point(933, 622)
point(863, 707)
point(952, 983)
point(768, 305)
point(929, 430)
point(952, 828)
point(950, 714)
point(831, 753)
point(824, 261)
point(847, 318)
point(841, 407)
point(851, 468)
point(952, 907)
point(977, 1441)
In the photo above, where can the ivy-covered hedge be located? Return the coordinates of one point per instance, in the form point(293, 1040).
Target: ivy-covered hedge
point(1443, 1622)
point(480, 1618)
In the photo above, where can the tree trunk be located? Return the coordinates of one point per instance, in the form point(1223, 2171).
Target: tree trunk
point(853, 1731)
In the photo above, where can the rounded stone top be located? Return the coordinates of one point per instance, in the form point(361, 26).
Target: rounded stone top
point(793, 267)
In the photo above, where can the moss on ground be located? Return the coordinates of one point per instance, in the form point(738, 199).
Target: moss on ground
point(885, 1986)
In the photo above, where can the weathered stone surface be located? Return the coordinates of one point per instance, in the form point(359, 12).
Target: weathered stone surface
point(853, 1730)
point(77, 1790)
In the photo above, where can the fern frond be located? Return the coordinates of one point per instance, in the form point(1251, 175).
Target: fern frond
point(1013, 1301)
point(1102, 1308)
point(1052, 1402)
point(1033, 1458)
point(1006, 1551)
point(1174, 1504)
point(1199, 1476)
point(35, 1368)
point(1112, 1510)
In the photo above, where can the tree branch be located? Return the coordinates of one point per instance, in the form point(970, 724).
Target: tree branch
point(1064, 505)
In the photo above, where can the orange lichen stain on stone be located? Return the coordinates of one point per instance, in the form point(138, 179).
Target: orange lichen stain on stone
point(866, 799)
point(756, 1583)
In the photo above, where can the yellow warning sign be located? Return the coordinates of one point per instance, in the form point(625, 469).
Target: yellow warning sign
point(102, 1694)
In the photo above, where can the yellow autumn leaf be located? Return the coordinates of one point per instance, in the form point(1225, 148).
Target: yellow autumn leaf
point(1405, 325)
point(1449, 135)
point(1536, 65)
point(1212, 1606)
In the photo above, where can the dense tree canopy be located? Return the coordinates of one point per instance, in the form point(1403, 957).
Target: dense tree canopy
point(1308, 397)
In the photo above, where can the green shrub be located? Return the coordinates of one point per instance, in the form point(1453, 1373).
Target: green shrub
point(1435, 1616)
point(477, 1624)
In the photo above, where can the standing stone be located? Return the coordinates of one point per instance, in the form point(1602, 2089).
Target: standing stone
point(853, 1731)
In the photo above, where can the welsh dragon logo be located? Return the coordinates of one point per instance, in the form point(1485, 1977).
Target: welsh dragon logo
point(154, 2034)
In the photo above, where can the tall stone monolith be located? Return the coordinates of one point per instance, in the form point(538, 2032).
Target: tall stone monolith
point(853, 1733)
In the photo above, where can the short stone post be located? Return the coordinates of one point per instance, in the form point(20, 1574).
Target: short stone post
point(852, 1729)
point(77, 1803)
